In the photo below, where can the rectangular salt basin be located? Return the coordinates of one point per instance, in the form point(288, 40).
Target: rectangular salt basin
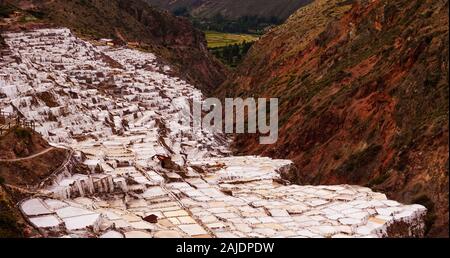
point(48, 221)
point(35, 207)
point(81, 222)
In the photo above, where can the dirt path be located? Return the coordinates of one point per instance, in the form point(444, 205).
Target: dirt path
point(29, 157)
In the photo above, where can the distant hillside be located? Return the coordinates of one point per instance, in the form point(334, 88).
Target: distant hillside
point(233, 9)
point(233, 16)
point(171, 38)
point(363, 94)
point(19, 143)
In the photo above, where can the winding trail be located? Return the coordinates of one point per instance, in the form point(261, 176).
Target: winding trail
point(29, 157)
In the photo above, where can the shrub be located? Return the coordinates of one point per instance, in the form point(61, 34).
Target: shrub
point(378, 180)
point(22, 133)
point(5, 10)
point(357, 161)
point(9, 228)
point(430, 218)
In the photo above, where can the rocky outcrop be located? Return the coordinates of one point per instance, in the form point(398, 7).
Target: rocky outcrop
point(21, 142)
point(12, 225)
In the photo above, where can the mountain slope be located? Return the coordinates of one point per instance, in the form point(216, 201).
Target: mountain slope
point(363, 97)
point(233, 9)
point(171, 38)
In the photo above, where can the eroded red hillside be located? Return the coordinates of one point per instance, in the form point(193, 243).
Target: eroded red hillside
point(363, 91)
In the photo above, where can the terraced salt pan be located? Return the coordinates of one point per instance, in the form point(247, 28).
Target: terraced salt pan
point(147, 175)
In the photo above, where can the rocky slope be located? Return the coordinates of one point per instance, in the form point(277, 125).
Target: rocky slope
point(26, 158)
point(363, 91)
point(173, 39)
point(233, 9)
point(17, 175)
point(20, 142)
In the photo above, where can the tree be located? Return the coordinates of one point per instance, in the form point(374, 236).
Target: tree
point(181, 11)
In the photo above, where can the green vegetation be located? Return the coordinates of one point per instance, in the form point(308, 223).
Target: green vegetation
point(378, 180)
point(37, 14)
point(181, 11)
point(219, 39)
point(6, 10)
point(232, 55)
point(430, 218)
point(245, 24)
point(232, 16)
point(27, 18)
point(229, 48)
point(2, 44)
point(22, 133)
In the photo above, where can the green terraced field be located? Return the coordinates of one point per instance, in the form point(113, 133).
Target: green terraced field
point(219, 39)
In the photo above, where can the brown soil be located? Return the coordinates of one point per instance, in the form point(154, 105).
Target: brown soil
point(18, 143)
point(33, 171)
point(21, 142)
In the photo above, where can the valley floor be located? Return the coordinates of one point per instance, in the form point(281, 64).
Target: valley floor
point(221, 39)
